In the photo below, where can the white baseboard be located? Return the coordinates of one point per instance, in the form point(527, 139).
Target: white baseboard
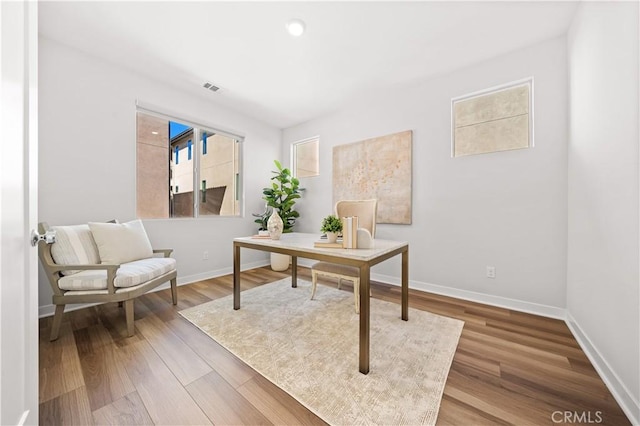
point(617, 387)
point(472, 296)
point(49, 310)
point(219, 272)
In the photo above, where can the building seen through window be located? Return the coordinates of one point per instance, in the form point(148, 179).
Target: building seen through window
point(174, 158)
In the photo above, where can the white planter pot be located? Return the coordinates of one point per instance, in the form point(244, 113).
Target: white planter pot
point(332, 237)
point(280, 262)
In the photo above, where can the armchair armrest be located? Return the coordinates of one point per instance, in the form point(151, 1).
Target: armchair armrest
point(165, 252)
point(110, 268)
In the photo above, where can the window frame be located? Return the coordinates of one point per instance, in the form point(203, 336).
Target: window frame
point(528, 81)
point(198, 128)
point(294, 159)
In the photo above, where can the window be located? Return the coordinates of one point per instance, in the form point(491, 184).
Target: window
point(305, 156)
point(168, 172)
point(496, 119)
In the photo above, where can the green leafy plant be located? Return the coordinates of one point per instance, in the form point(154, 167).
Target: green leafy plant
point(282, 195)
point(331, 224)
point(262, 218)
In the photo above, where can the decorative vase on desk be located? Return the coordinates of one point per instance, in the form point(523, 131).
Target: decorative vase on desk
point(332, 237)
point(275, 225)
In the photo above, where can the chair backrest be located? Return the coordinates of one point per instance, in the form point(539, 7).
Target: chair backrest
point(366, 210)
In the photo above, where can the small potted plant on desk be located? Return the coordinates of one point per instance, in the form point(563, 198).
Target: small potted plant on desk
point(331, 226)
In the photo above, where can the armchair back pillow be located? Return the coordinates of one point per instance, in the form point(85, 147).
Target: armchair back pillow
point(74, 246)
point(121, 242)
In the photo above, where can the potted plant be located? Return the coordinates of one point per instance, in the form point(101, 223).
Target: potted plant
point(281, 196)
point(331, 225)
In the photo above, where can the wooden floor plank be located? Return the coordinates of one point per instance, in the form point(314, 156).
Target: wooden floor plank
point(563, 349)
point(506, 350)
point(69, 408)
point(60, 370)
point(493, 408)
point(105, 378)
point(277, 405)
point(224, 362)
point(128, 410)
point(223, 404)
point(509, 367)
point(183, 362)
point(164, 397)
point(456, 413)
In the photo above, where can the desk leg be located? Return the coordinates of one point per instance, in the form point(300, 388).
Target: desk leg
point(405, 284)
point(365, 285)
point(236, 277)
point(294, 271)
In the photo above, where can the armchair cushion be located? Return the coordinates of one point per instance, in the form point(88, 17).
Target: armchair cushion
point(121, 242)
point(128, 275)
point(74, 246)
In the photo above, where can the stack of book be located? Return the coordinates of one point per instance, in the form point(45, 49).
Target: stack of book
point(350, 232)
point(323, 243)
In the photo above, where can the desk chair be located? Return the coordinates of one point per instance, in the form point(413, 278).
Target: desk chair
point(366, 210)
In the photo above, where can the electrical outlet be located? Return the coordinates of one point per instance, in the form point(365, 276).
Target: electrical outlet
point(491, 271)
point(205, 255)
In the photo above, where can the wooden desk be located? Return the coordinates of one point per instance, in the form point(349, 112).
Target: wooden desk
point(301, 245)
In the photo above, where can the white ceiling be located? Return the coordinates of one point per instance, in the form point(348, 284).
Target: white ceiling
point(349, 50)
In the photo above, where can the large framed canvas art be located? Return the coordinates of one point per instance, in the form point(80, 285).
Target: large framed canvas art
point(378, 168)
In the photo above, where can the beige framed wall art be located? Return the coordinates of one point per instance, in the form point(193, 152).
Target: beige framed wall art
point(492, 120)
point(376, 168)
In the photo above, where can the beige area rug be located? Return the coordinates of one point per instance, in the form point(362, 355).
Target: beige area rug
point(309, 348)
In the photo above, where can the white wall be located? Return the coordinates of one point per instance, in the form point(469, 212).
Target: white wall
point(603, 257)
point(88, 165)
point(505, 209)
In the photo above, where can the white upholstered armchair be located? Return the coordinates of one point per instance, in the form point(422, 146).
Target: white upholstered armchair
point(103, 262)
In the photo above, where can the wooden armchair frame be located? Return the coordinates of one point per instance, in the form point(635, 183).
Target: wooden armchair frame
point(60, 298)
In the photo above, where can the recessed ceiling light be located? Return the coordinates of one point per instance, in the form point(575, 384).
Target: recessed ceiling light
point(295, 27)
point(154, 133)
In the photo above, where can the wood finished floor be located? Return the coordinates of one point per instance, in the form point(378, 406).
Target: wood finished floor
point(509, 367)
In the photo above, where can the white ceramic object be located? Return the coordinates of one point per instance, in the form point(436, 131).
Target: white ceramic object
point(280, 262)
point(364, 239)
point(332, 237)
point(275, 225)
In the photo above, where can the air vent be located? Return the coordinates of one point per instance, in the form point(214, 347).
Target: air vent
point(211, 87)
